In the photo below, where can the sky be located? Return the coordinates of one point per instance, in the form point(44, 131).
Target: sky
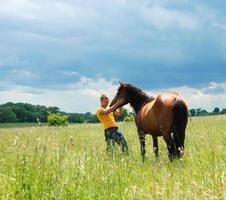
point(67, 53)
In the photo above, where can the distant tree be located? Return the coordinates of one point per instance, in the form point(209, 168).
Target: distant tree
point(76, 118)
point(92, 119)
point(21, 113)
point(223, 111)
point(87, 115)
point(193, 112)
point(54, 109)
point(42, 113)
point(7, 115)
point(216, 110)
point(202, 113)
point(31, 116)
point(198, 110)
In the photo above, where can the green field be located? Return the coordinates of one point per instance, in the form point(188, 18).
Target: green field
point(20, 125)
point(71, 163)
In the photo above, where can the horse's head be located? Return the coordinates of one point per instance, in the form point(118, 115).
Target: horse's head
point(122, 95)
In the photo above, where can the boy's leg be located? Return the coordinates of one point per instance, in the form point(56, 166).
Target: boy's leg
point(109, 140)
point(120, 139)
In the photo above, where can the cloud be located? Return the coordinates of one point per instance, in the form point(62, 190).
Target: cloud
point(22, 73)
point(83, 96)
point(215, 88)
point(154, 44)
point(71, 73)
point(213, 95)
point(163, 18)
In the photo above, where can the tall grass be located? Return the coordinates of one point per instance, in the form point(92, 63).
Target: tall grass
point(72, 163)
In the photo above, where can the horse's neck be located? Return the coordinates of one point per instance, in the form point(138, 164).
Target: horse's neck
point(136, 108)
point(138, 102)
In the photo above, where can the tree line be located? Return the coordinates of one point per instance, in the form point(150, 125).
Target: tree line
point(25, 112)
point(203, 112)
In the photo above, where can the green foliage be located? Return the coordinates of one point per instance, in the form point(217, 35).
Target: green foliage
point(192, 112)
point(121, 117)
point(57, 119)
point(90, 118)
point(24, 112)
point(54, 109)
point(76, 118)
point(7, 115)
point(129, 118)
point(216, 110)
point(202, 112)
point(223, 111)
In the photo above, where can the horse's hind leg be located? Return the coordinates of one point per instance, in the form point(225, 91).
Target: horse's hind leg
point(155, 146)
point(142, 143)
point(179, 136)
point(180, 119)
point(170, 146)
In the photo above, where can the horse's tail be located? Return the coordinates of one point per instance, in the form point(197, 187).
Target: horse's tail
point(180, 119)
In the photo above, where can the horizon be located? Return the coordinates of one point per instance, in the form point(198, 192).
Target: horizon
point(127, 107)
point(68, 60)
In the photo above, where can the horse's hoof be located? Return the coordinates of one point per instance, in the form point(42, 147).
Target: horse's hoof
point(171, 157)
point(157, 158)
point(143, 159)
point(180, 153)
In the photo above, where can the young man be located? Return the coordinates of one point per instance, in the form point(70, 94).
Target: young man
point(106, 117)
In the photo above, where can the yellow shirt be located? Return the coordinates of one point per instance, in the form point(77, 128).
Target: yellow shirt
point(108, 120)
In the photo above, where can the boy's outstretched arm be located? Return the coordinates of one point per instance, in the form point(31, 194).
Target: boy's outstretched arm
point(109, 110)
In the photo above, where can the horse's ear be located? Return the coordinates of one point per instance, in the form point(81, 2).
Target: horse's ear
point(121, 83)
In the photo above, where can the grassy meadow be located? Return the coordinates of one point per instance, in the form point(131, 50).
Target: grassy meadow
point(72, 163)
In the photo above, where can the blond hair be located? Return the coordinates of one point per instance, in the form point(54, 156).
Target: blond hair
point(103, 96)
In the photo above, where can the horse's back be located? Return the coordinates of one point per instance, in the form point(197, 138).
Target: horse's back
point(165, 104)
point(168, 98)
point(156, 116)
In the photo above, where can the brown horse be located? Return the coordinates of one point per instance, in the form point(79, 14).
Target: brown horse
point(160, 116)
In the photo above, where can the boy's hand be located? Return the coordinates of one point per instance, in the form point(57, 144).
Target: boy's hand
point(118, 112)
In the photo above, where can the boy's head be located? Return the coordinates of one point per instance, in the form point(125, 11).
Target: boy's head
point(104, 100)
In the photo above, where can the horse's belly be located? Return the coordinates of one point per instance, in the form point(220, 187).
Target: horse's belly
point(153, 130)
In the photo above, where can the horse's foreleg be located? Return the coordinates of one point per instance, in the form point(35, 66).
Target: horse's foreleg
point(155, 146)
point(142, 144)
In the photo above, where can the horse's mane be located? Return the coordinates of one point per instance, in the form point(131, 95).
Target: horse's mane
point(137, 97)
